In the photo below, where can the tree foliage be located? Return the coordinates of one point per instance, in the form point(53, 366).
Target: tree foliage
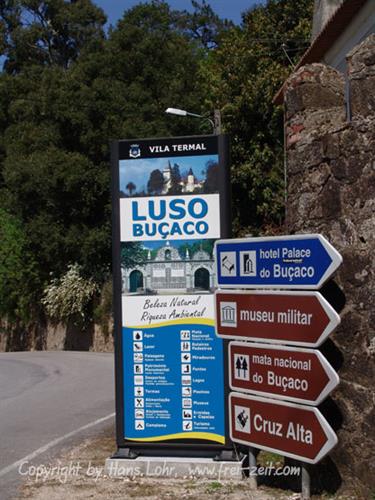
point(156, 182)
point(244, 74)
point(176, 187)
point(67, 88)
point(211, 183)
point(18, 276)
point(132, 254)
point(50, 32)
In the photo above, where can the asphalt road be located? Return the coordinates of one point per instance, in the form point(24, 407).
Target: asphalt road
point(45, 400)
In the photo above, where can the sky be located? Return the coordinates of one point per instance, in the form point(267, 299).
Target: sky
point(230, 9)
point(138, 171)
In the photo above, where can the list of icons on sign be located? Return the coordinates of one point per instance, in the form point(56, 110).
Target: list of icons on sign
point(187, 402)
point(247, 264)
point(241, 367)
point(139, 402)
point(185, 334)
point(187, 391)
point(140, 414)
point(139, 391)
point(185, 346)
point(228, 314)
point(138, 380)
point(187, 425)
point(242, 419)
point(187, 414)
point(228, 263)
point(186, 368)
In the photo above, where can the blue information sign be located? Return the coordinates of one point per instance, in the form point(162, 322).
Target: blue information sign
point(297, 261)
point(174, 386)
point(170, 205)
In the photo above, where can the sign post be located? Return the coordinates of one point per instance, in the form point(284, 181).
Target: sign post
point(302, 261)
point(170, 204)
point(296, 431)
point(291, 374)
point(278, 317)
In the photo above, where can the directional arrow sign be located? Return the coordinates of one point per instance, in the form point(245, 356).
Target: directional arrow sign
point(280, 317)
point(298, 261)
point(296, 431)
point(293, 374)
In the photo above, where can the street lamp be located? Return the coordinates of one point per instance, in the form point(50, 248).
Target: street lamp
point(216, 123)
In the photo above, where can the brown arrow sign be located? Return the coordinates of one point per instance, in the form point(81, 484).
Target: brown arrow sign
point(296, 431)
point(292, 374)
point(280, 317)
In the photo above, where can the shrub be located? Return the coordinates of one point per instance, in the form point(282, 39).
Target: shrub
point(69, 296)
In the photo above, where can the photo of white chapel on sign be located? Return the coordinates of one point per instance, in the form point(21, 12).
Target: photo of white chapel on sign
point(169, 176)
point(167, 267)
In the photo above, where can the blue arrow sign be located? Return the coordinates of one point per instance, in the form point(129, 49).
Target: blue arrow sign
point(297, 261)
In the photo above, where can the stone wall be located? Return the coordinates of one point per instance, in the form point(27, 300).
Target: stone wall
point(331, 190)
point(56, 337)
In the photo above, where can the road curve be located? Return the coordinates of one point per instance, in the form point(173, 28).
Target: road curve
point(45, 396)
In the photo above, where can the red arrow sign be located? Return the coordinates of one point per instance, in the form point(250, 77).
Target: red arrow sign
point(296, 431)
point(280, 317)
point(293, 374)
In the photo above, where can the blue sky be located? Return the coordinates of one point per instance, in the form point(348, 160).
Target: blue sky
point(230, 9)
point(138, 171)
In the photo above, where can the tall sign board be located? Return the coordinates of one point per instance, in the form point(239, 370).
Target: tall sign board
point(170, 204)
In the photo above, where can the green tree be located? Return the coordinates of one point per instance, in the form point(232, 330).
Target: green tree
point(130, 186)
point(155, 183)
point(211, 183)
point(132, 254)
point(242, 76)
point(153, 64)
point(54, 153)
point(67, 89)
point(50, 32)
point(203, 24)
point(176, 187)
point(64, 93)
point(18, 276)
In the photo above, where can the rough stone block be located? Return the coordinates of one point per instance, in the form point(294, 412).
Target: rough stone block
point(313, 87)
point(331, 190)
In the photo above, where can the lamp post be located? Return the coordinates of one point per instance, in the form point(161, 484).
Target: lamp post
point(215, 123)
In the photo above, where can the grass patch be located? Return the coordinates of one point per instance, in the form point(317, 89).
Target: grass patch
point(267, 458)
point(213, 487)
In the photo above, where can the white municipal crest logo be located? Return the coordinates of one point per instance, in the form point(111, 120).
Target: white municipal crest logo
point(134, 151)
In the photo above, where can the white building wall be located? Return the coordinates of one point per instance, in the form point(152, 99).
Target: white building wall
point(362, 25)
